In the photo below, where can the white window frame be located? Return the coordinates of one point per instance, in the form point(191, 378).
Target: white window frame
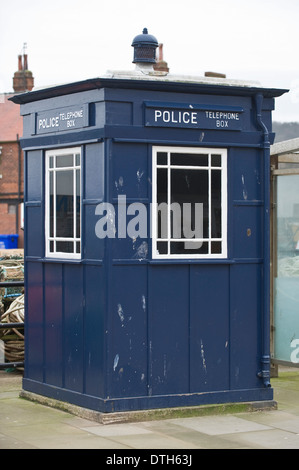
point(209, 168)
point(75, 239)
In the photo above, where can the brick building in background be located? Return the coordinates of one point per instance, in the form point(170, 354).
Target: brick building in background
point(11, 155)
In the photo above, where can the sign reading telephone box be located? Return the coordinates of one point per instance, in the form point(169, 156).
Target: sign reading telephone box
point(62, 119)
point(193, 116)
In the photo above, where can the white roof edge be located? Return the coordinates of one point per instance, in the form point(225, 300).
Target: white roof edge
point(146, 72)
point(285, 146)
point(140, 74)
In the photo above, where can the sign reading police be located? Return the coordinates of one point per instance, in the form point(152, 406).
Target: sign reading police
point(193, 116)
point(176, 117)
point(61, 119)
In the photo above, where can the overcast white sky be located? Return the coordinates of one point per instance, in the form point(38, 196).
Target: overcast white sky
point(72, 40)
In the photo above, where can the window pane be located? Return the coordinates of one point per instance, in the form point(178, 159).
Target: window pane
point(11, 208)
point(215, 160)
point(189, 188)
point(162, 158)
point(65, 247)
point(51, 202)
point(190, 200)
point(216, 247)
point(189, 159)
point(216, 203)
point(78, 224)
point(63, 161)
point(162, 222)
point(189, 248)
point(162, 248)
point(64, 204)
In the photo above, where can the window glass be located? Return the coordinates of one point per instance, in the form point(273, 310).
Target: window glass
point(189, 189)
point(161, 158)
point(189, 159)
point(63, 203)
point(189, 203)
point(51, 204)
point(11, 208)
point(78, 203)
point(216, 225)
point(63, 161)
point(162, 202)
point(216, 160)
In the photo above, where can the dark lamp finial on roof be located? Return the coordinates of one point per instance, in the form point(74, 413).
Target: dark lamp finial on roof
point(145, 46)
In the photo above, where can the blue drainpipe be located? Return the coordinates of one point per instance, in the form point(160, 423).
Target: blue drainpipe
point(264, 373)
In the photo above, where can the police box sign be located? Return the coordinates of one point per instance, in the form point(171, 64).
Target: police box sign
point(193, 116)
point(62, 119)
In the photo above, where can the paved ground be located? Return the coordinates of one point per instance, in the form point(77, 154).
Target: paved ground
point(28, 425)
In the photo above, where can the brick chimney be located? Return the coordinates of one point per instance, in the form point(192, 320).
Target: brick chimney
point(23, 79)
point(161, 65)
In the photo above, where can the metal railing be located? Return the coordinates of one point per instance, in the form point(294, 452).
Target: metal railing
point(5, 326)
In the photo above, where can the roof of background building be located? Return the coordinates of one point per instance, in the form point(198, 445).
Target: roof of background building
point(287, 146)
point(11, 122)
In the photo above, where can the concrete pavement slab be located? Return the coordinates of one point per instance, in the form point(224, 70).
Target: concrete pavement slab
point(29, 425)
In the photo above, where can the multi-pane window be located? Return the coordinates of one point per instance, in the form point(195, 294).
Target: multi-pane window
point(189, 203)
point(63, 203)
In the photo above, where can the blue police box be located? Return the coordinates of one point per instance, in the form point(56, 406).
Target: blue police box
point(147, 239)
